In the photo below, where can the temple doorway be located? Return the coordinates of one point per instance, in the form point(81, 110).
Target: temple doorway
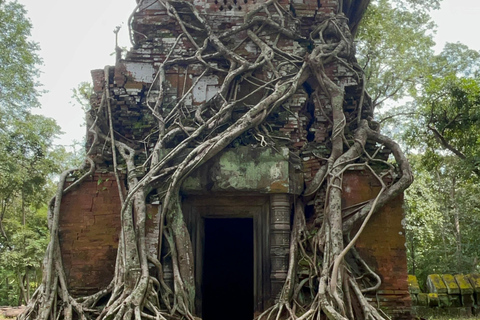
point(230, 240)
point(228, 269)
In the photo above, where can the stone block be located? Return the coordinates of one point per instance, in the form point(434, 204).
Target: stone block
point(468, 300)
point(432, 299)
point(443, 300)
point(413, 286)
point(476, 310)
point(414, 298)
point(451, 284)
point(260, 170)
point(464, 284)
point(455, 300)
point(435, 284)
point(474, 279)
point(422, 299)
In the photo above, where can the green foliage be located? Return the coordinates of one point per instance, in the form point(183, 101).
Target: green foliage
point(442, 132)
point(439, 126)
point(456, 59)
point(81, 95)
point(418, 5)
point(28, 159)
point(18, 61)
point(24, 258)
point(439, 196)
point(447, 113)
point(395, 45)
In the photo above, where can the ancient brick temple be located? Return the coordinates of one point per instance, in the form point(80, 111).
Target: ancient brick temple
point(247, 190)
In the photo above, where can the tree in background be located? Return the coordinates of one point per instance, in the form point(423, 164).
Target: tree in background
point(448, 109)
point(396, 50)
point(18, 61)
point(394, 47)
point(80, 99)
point(81, 95)
point(442, 219)
point(432, 107)
point(443, 132)
point(28, 159)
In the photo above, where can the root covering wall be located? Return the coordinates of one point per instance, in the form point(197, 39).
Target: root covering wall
point(90, 217)
point(90, 226)
point(382, 245)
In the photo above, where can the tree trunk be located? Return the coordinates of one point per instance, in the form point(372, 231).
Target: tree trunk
point(456, 219)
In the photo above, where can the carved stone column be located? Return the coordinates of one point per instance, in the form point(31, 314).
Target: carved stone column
point(279, 241)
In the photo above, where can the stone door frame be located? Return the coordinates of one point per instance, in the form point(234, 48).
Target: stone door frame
point(271, 232)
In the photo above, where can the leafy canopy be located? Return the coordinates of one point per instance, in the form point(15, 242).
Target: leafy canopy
point(442, 220)
point(28, 158)
point(434, 110)
point(394, 46)
point(19, 61)
point(447, 110)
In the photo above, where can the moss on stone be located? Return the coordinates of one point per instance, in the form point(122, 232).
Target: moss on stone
point(433, 299)
point(455, 300)
point(435, 284)
point(474, 279)
point(452, 286)
point(463, 284)
point(443, 300)
point(413, 286)
point(422, 299)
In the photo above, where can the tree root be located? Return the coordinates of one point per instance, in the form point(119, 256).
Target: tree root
point(320, 282)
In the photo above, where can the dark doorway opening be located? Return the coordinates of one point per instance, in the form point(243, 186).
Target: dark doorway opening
point(228, 269)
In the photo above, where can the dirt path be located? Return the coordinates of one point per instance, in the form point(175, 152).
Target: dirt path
point(10, 312)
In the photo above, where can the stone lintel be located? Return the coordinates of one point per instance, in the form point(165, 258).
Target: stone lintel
point(246, 169)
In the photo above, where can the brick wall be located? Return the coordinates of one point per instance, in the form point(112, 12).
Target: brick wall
point(90, 225)
point(89, 232)
point(382, 244)
point(156, 33)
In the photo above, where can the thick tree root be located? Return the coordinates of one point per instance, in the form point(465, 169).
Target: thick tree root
point(321, 281)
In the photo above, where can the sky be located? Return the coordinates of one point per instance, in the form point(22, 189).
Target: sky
point(74, 37)
point(458, 21)
point(77, 36)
